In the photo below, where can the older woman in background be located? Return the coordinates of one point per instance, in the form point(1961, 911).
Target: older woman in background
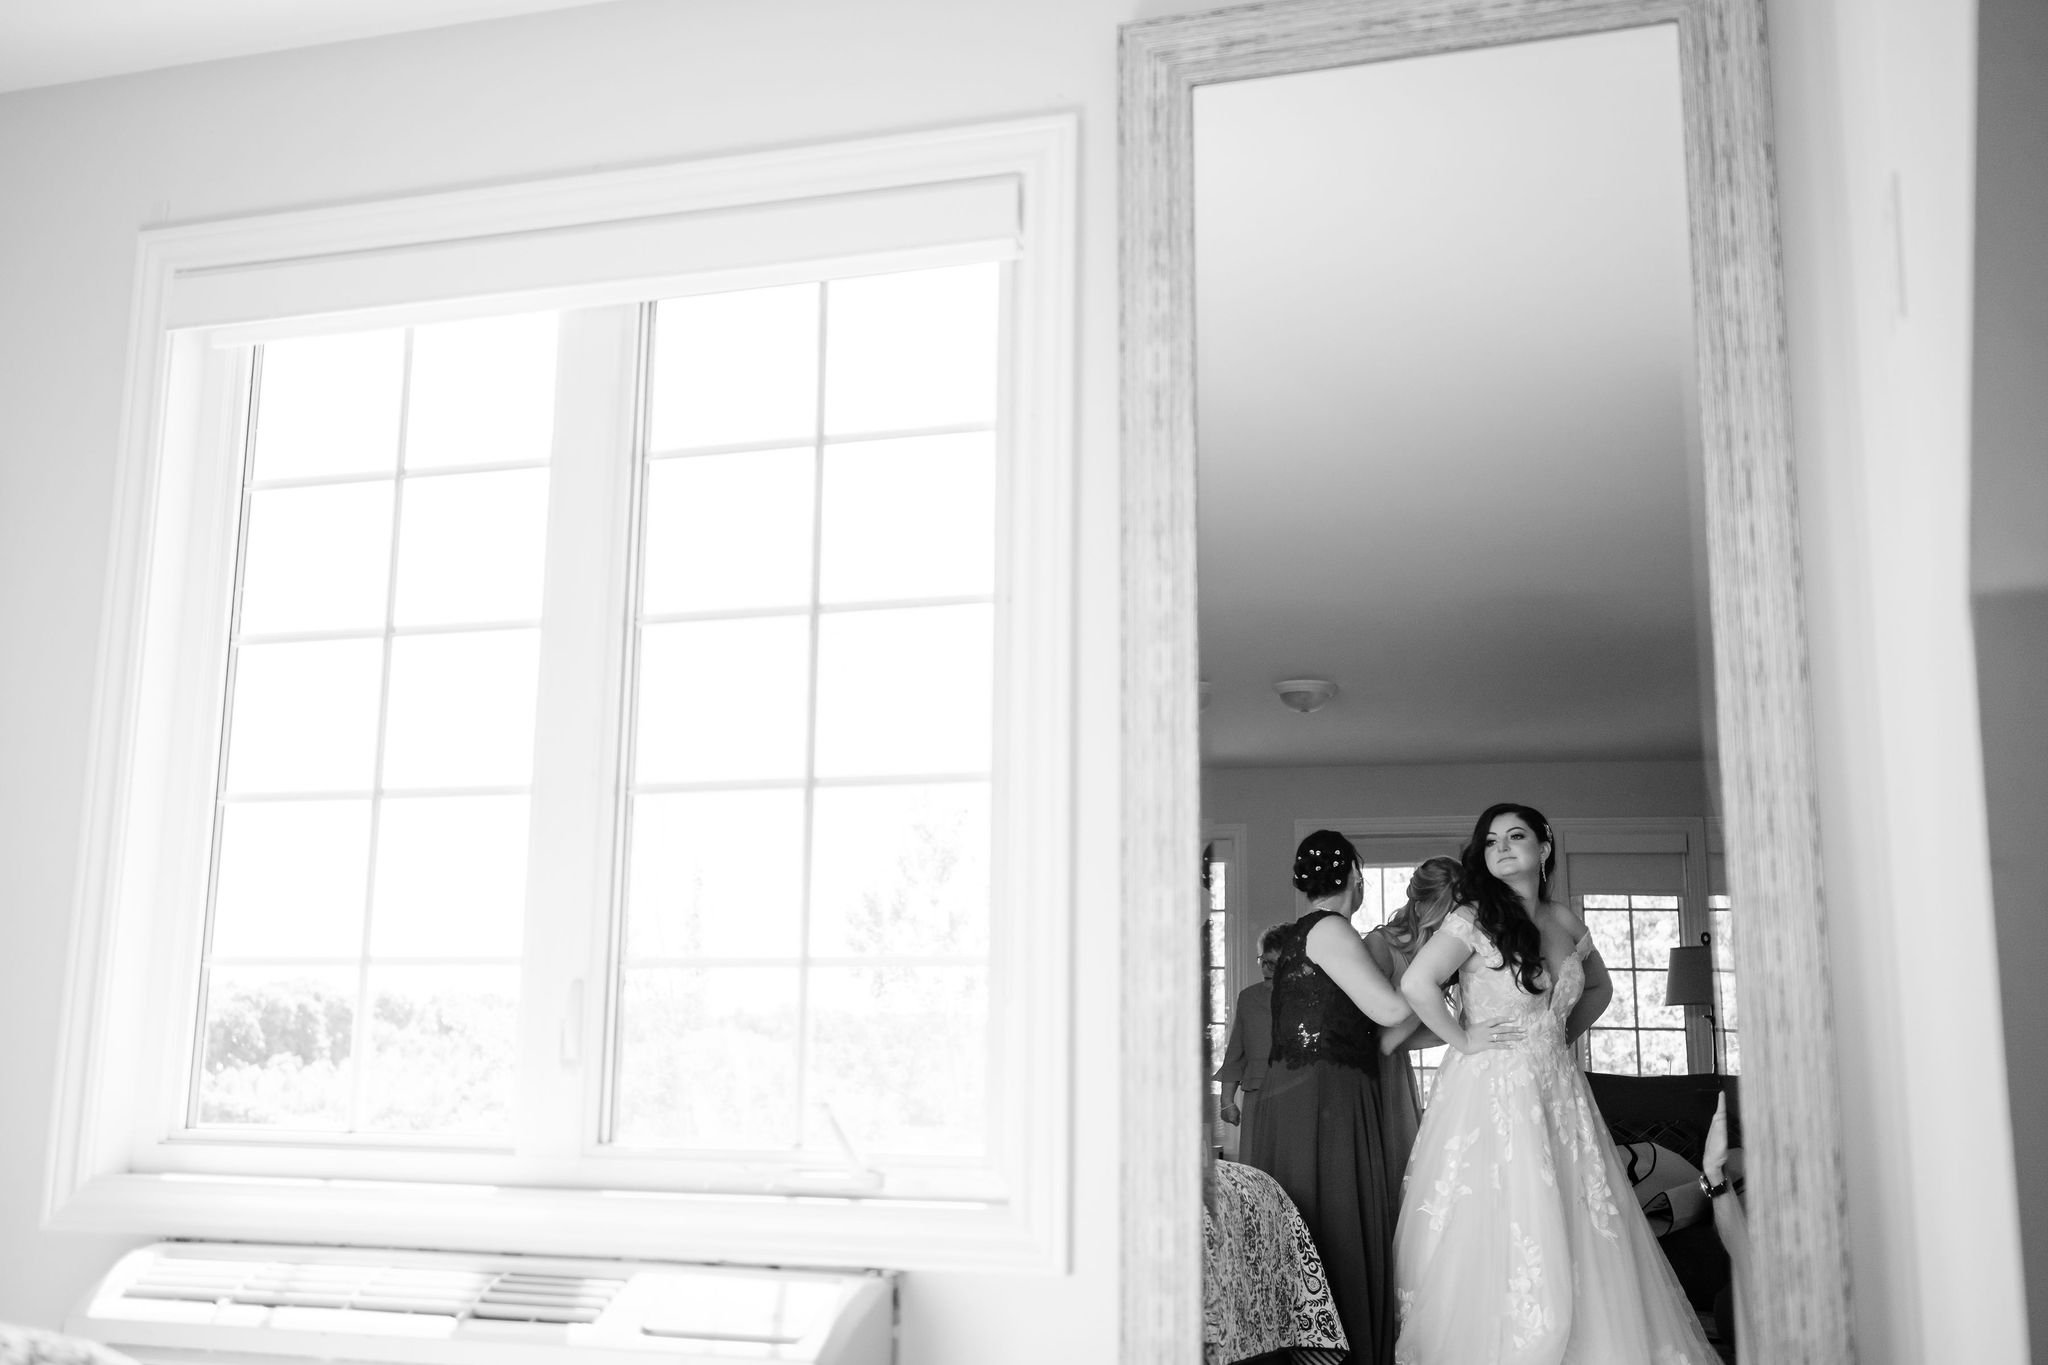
point(1251, 1043)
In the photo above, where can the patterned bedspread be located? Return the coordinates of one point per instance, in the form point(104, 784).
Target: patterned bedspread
point(1262, 1281)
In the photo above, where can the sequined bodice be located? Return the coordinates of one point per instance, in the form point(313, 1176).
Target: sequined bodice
point(1490, 991)
point(1313, 1019)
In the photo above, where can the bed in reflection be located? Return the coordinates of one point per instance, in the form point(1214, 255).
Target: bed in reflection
point(1263, 1289)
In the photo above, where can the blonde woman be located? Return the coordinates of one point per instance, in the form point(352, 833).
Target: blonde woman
point(1432, 894)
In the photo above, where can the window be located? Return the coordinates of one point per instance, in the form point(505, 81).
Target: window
point(1721, 919)
point(588, 719)
point(361, 967)
point(1218, 996)
point(1639, 1035)
point(1386, 891)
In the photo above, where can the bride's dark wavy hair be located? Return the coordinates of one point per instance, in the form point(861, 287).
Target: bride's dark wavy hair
point(1501, 915)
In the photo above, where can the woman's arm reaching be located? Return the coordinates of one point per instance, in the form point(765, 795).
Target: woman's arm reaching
point(1335, 946)
point(1400, 1037)
point(1599, 991)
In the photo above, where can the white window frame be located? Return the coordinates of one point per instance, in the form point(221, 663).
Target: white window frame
point(715, 224)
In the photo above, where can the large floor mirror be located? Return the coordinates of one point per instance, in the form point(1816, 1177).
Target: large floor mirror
point(1456, 475)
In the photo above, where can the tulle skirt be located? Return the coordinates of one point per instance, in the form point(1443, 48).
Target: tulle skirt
point(1520, 1241)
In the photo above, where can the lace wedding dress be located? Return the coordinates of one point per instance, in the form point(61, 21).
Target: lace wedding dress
point(1520, 1241)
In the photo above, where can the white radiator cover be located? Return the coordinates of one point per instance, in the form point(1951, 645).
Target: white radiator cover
point(255, 1304)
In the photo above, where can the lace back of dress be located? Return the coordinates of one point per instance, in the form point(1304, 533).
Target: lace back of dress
point(1313, 1019)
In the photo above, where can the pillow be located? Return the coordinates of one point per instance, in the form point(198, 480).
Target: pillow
point(1667, 1186)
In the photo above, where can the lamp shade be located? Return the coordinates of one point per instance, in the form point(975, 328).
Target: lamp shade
point(1690, 980)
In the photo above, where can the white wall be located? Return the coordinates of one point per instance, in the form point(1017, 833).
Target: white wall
point(1863, 86)
point(1874, 118)
point(1267, 802)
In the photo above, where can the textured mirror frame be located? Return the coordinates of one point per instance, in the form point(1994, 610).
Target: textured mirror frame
point(1792, 1118)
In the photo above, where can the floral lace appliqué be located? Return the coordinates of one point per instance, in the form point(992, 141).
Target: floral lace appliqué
point(1449, 1187)
point(1531, 1317)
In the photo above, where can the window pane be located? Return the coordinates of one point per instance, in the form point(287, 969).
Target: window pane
point(461, 709)
point(717, 874)
point(1655, 1013)
point(1721, 925)
point(329, 405)
point(912, 350)
point(441, 1049)
point(736, 368)
point(483, 392)
point(1218, 950)
point(1663, 1053)
point(900, 870)
point(729, 531)
point(904, 691)
point(1610, 936)
point(1597, 902)
point(911, 518)
point(317, 558)
point(1731, 1054)
point(1656, 935)
point(1614, 1051)
point(451, 877)
point(1373, 902)
point(1621, 1013)
point(900, 1056)
point(707, 1058)
point(471, 548)
point(723, 700)
point(1724, 986)
point(277, 1048)
point(305, 716)
point(291, 879)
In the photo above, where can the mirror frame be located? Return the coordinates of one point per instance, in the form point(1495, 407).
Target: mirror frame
point(1791, 1119)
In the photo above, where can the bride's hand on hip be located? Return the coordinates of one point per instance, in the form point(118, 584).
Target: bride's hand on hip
point(1493, 1034)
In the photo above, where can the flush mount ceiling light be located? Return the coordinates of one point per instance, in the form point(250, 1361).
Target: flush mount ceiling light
point(1305, 694)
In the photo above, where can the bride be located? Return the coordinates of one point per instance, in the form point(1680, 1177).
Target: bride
point(1519, 1240)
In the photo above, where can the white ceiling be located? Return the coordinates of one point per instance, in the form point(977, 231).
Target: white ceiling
point(1444, 324)
point(49, 42)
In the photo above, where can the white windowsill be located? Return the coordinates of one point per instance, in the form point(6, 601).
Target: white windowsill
point(788, 1230)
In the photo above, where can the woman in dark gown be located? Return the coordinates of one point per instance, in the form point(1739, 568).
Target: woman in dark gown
point(1321, 1127)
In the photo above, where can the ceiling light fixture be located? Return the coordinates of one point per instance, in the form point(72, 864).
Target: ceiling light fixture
point(1305, 694)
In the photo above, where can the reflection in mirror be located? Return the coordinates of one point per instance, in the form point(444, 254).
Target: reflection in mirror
point(1451, 497)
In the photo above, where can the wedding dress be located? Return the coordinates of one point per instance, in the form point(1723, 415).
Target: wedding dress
point(1520, 1241)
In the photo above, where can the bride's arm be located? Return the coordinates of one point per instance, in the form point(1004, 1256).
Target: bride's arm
point(1439, 957)
point(1335, 946)
point(1438, 960)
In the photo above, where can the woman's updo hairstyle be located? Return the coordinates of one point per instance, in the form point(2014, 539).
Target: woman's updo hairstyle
point(1501, 915)
point(1323, 863)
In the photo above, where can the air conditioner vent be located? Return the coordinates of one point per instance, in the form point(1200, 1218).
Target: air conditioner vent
point(179, 1302)
point(504, 1296)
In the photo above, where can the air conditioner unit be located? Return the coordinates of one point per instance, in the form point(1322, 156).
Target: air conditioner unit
point(247, 1304)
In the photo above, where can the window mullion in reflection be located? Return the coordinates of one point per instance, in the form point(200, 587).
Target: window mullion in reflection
point(803, 981)
point(359, 1040)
